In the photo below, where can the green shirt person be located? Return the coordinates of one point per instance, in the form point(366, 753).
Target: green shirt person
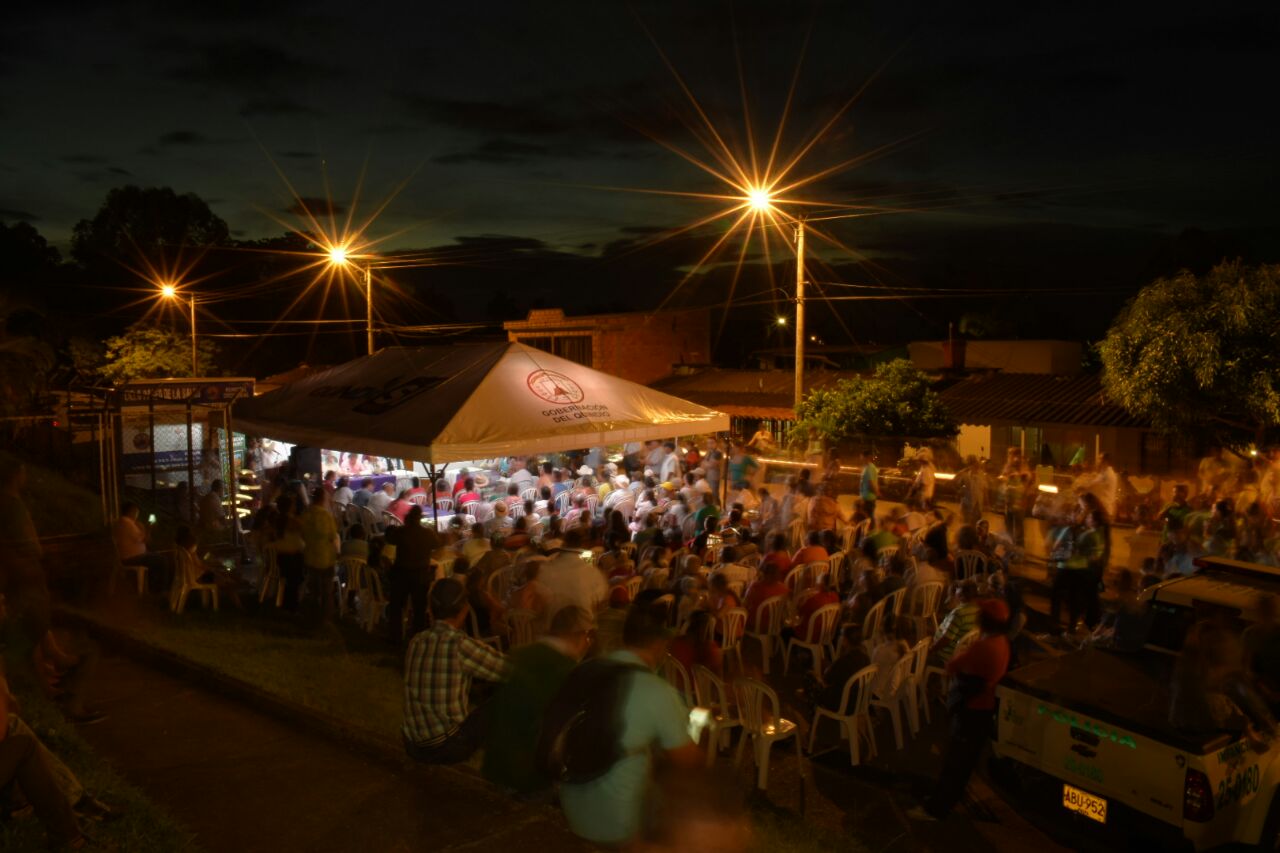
point(536, 672)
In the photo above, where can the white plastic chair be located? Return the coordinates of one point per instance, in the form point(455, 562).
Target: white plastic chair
point(797, 582)
point(771, 613)
point(562, 503)
point(763, 726)
point(444, 504)
point(185, 582)
point(853, 718)
point(922, 606)
point(885, 554)
point(894, 601)
point(678, 677)
point(733, 623)
point(530, 494)
point(473, 625)
point(970, 564)
point(820, 636)
point(796, 532)
point(515, 511)
point(633, 585)
point(370, 599)
point(521, 624)
point(872, 624)
point(835, 569)
point(354, 568)
point(390, 519)
point(919, 664)
point(499, 582)
point(139, 570)
point(711, 693)
point(899, 697)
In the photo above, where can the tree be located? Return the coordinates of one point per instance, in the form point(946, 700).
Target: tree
point(25, 361)
point(896, 400)
point(151, 352)
point(152, 224)
point(1200, 355)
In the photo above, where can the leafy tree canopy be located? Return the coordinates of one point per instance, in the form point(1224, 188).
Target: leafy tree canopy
point(896, 400)
point(1201, 354)
point(150, 224)
point(151, 352)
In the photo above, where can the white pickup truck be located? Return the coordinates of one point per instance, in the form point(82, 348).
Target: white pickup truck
point(1097, 723)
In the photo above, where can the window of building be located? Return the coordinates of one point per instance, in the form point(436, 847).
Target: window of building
point(575, 348)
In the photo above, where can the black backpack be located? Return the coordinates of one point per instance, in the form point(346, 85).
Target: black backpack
point(581, 736)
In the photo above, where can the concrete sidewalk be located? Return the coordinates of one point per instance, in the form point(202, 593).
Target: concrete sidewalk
point(244, 781)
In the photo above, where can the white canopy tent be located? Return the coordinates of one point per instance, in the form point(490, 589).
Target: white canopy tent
point(454, 403)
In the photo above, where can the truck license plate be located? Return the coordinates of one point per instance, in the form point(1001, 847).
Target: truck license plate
point(1082, 802)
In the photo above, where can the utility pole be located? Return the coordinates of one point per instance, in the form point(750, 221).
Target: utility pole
point(799, 314)
point(195, 370)
point(368, 306)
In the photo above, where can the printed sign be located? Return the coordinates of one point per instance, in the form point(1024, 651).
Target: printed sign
point(555, 387)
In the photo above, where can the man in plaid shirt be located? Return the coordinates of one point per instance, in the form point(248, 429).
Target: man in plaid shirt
point(439, 725)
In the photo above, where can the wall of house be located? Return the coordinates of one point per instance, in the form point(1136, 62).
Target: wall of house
point(639, 347)
point(1062, 357)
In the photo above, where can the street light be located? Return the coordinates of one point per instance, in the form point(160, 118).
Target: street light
point(340, 257)
point(760, 199)
point(170, 291)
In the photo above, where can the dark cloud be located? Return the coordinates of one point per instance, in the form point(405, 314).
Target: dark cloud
point(83, 159)
point(249, 66)
point(276, 106)
point(503, 243)
point(182, 137)
point(116, 170)
point(312, 206)
point(298, 155)
point(489, 117)
point(498, 150)
point(18, 215)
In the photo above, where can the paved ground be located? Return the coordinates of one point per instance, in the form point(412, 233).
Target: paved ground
point(213, 761)
point(242, 781)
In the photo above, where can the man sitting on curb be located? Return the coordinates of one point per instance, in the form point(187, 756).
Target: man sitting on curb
point(440, 727)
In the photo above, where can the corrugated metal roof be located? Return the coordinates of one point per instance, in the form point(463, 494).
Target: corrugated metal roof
point(1033, 398)
point(747, 393)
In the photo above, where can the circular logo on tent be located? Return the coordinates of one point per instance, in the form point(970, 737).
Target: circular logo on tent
point(555, 387)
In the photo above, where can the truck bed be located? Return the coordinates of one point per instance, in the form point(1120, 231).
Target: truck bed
point(1127, 690)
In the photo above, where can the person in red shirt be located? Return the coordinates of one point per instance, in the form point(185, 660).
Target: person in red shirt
point(400, 506)
point(974, 674)
point(461, 482)
point(811, 605)
point(467, 494)
point(777, 556)
point(764, 587)
point(695, 646)
point(812, 552)
point(415, 488)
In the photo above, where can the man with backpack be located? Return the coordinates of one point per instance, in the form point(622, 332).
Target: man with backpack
point(611, 725)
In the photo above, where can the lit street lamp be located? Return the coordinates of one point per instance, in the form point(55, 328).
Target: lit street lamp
point(169, 291)
point(339, 257)
point(761, 201)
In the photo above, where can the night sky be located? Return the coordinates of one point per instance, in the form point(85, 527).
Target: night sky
point(1037, 144)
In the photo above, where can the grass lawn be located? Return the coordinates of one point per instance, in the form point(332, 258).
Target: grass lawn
point(340, 672)
point(142, 827)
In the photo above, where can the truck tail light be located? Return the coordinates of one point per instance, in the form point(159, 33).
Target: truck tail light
point(1197, 797)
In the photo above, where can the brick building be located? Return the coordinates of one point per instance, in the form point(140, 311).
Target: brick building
point(640, 347)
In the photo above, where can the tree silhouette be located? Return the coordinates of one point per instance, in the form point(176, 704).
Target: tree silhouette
point(138, 225)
